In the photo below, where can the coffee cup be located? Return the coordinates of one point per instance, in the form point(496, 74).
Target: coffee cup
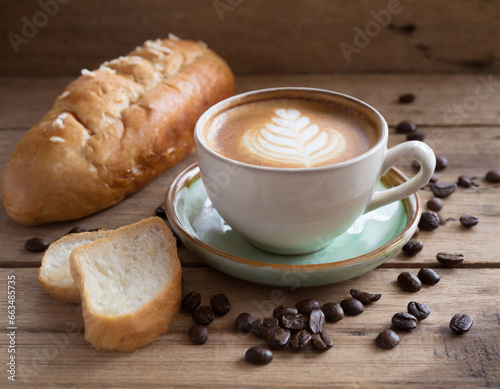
point(293, 168)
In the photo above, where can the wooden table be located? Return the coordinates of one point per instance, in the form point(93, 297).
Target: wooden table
point(50, 346)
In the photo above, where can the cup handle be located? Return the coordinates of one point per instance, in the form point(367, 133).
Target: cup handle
point(413, 150)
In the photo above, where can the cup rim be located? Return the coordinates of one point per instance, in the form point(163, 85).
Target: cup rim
point(200, 141)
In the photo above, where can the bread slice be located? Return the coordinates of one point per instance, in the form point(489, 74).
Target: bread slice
point(54, 274)
point(130, 284)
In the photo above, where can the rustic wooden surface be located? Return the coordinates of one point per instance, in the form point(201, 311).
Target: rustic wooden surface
point(51, 350)
point(258, 36)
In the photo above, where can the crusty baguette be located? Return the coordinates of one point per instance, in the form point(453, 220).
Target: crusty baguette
point(113, 130)
point(54, 274)
point(130, 284)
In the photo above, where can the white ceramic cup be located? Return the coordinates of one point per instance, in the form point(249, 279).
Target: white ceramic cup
point(301, 210)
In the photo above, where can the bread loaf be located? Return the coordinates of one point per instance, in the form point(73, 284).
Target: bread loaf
point(113, 130)
point(130, 284)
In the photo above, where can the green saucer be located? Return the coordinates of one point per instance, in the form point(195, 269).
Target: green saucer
point(373, 238)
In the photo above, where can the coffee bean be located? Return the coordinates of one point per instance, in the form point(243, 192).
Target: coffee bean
point(178, 242)
point(429, 221)
point(413, 247)
point(244, 322)
point(198, 334)
point(76, 230)
point(441, 162)
point(160, 212)
point(450, 259)
point(443, 189)
point(493, 176)
point(277, 337)
point(434, 178)
point(316, 322)
point(461, 323)
point(281, 310)
point(307, 306)
point(258, 356)
point(407, 98)
point(190, 302)
point(203, 315)
point(420, 311)
point(428, 276)
point(300, 340)
point(261, 326)
point(464, 182)
point(294, 321)
point(435, 204)
point(406, 127)
point(404, 321)
point(365, 297)
point(409, 281)
point(469, 220)
point(36, 245)
point(387, 339)
point(417, 135)
point(352, 306)
point(322, 342)
point(333, 312)
point(220, 304)
point(96, 229)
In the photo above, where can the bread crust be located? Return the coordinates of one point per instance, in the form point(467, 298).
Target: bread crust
point(113, 130)
point(134, 330)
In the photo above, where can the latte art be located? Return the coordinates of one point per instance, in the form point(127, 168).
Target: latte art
point(291, 138)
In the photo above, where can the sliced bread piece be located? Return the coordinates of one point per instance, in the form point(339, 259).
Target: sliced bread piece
point(130, 284)
point(54, 273)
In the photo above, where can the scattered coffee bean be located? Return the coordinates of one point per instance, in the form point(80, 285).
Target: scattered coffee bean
point(435, 204)
point(443, 189)
point(461, 323)
point(493, 176)
point(190, 302)
point(413, 247)
point(160, 212)
point(294, 321)
point(464, 182)
point(428, 221)
point(281, 310)
point(420, 311)
point(307, 306)
point(36, 245)
point(300, 340)
point(316, 322)
point(428, 276)
point(198, 334)
point(469, 220)
point(441, 162)
point(365, 297)
point(407, 98)
point(76, 230)
point(352, 306)
point(404, 321)
point(409, 282)
point(95, 229)
point(277, 337)
point(387, 339)
point(178, 242)
point(333, 312)
point(261, 326)
point(220, 304)
point(434, 178)
point(417, 135)
point(450, 259)
point(244, 322)
point(322, 342)
point(258, 356)
point(203, 315)
point(442, 220)
point(406, 127)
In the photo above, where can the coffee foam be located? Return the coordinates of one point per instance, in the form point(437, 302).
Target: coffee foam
point(293, 133)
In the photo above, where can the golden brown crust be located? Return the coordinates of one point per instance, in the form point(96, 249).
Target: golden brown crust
point(134, 330)
point(112, 131)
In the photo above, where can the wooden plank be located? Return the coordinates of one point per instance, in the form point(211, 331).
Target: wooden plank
point(440, 97)
point(50, 339)
point(281, 36)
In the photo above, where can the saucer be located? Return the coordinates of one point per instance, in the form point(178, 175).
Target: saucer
point(370, 241)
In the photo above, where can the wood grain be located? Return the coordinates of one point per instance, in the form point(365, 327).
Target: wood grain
point(259, 36)
point(50, 335)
